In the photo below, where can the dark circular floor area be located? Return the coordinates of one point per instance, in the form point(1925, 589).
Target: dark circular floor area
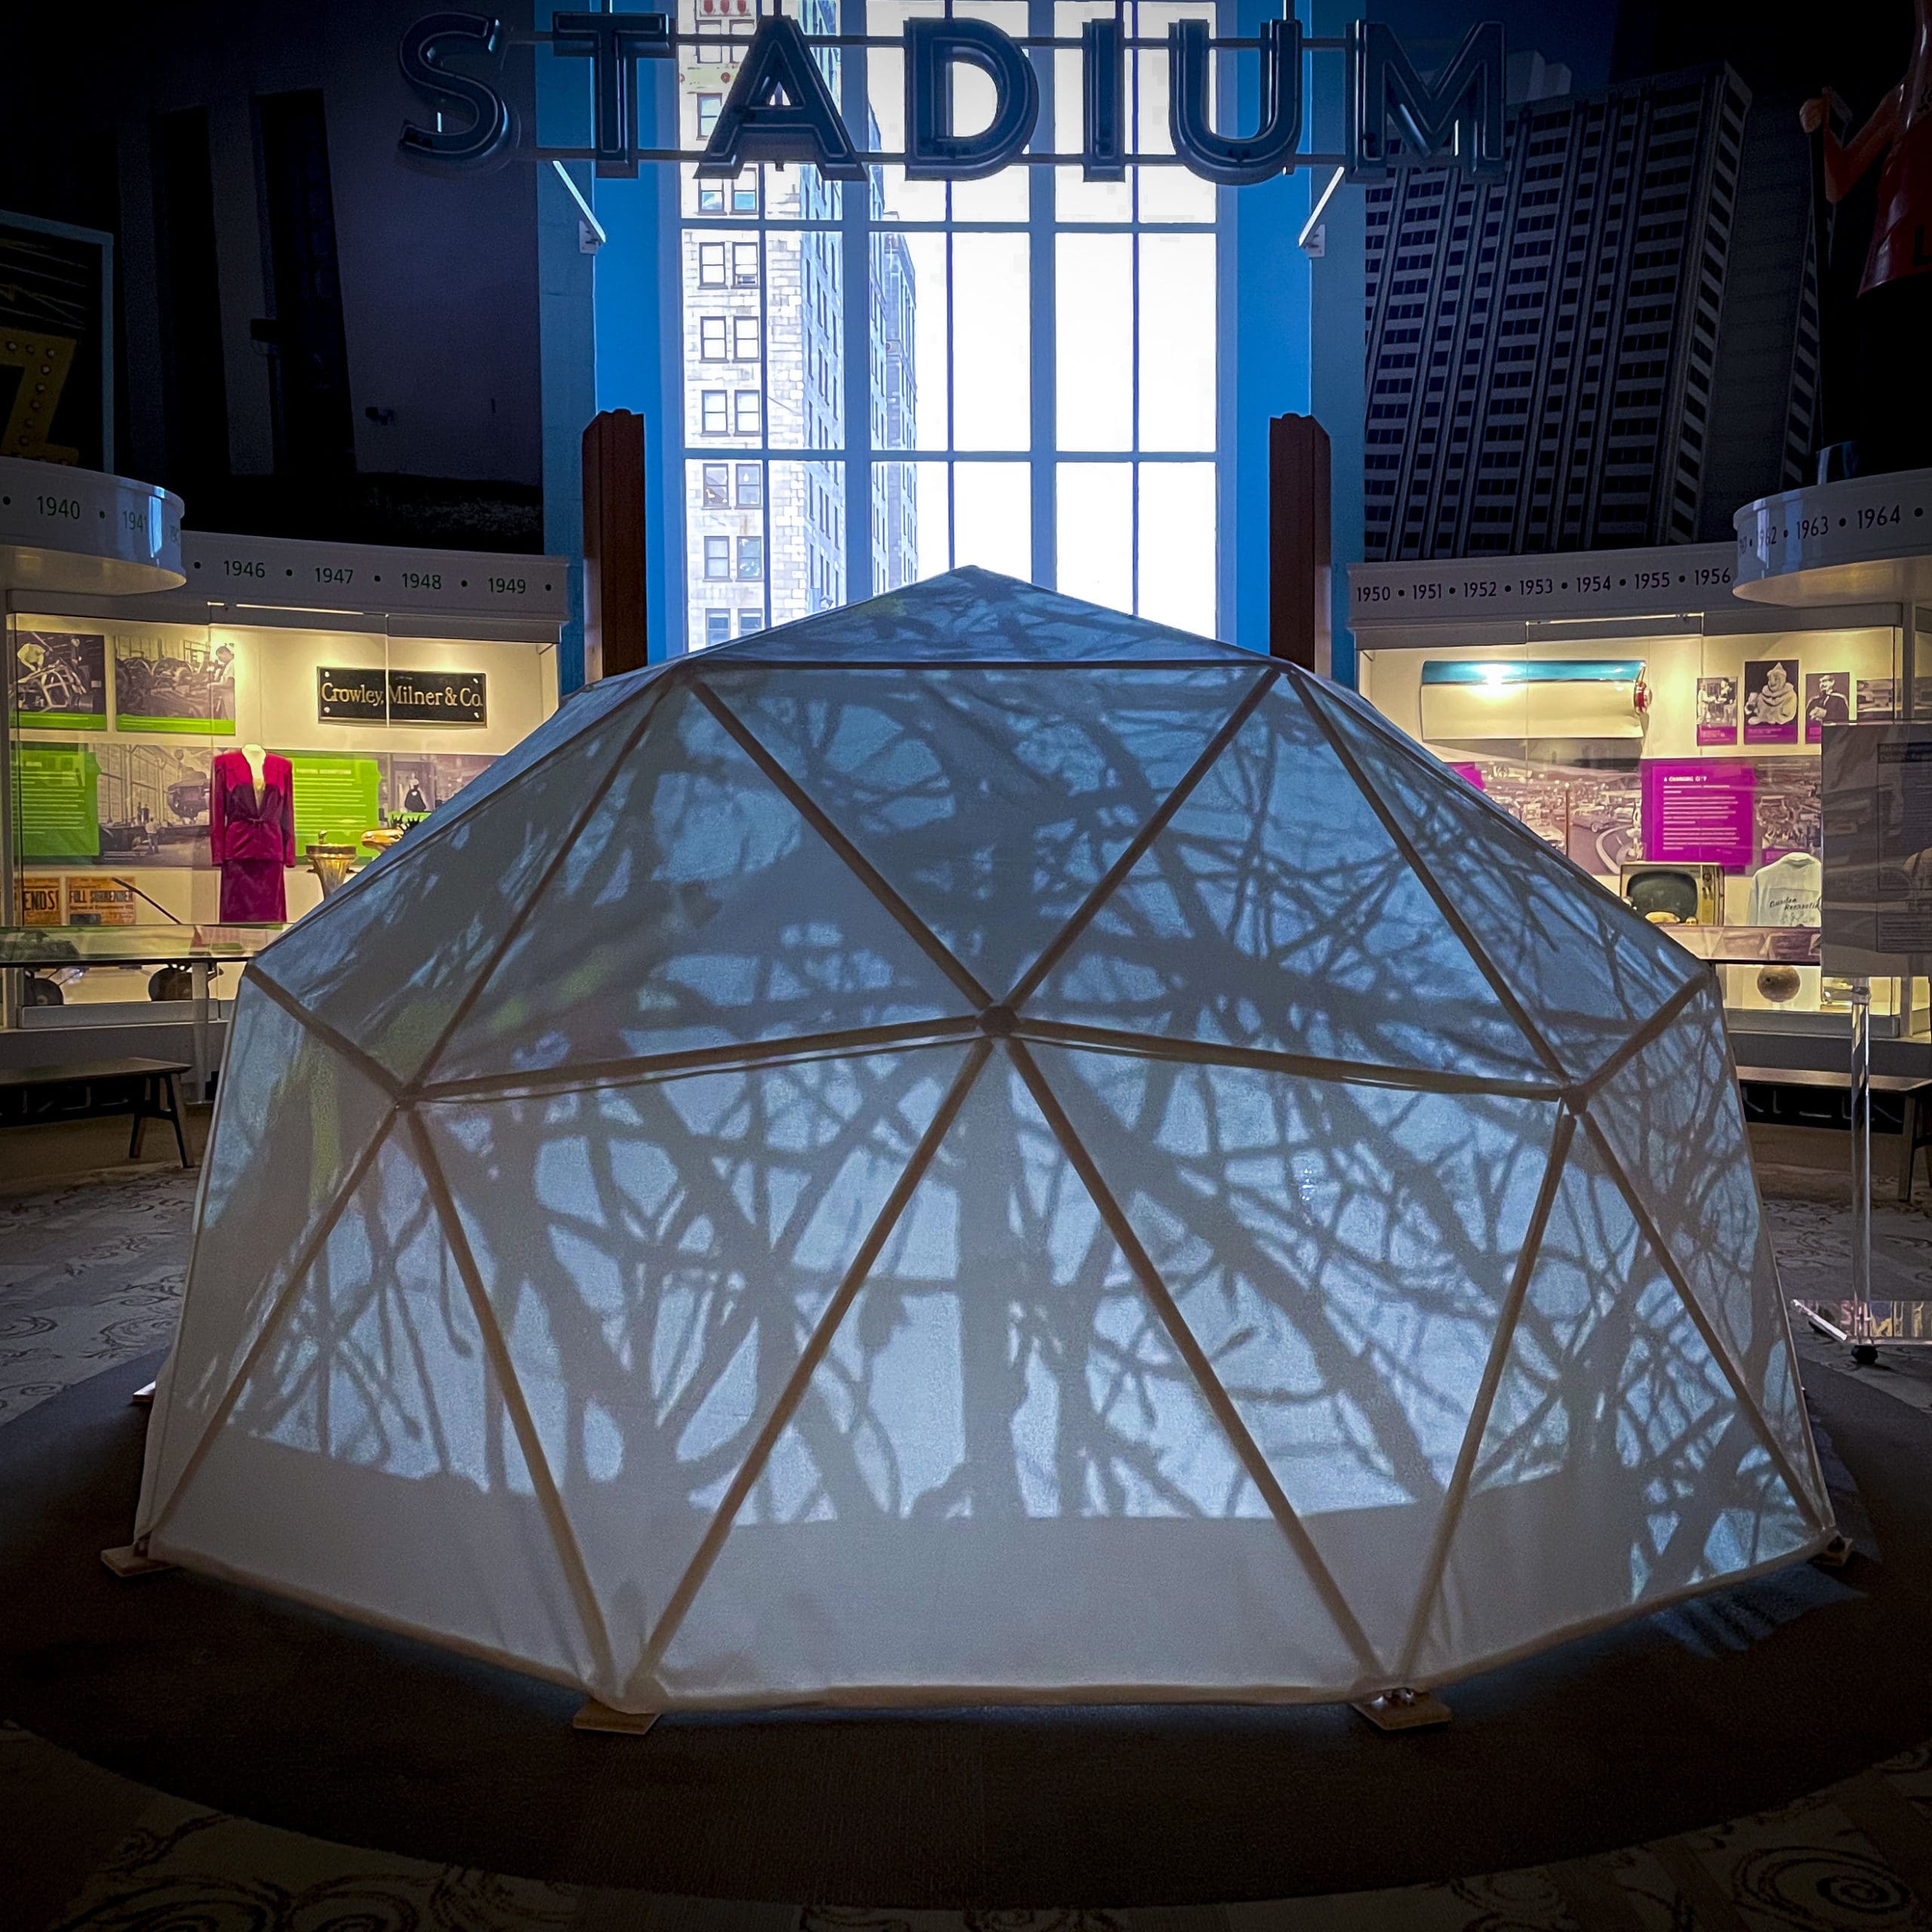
point(1732, 1704)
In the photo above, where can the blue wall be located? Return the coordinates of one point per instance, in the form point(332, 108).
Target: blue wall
point(603, 317)
point(1267, 374)
point(1337, 331)
point(638, 321)
point(1297, 333)
point(567, 323)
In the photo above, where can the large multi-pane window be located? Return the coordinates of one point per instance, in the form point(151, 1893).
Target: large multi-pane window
point(884, 380)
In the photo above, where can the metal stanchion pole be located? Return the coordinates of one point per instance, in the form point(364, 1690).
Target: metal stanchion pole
point(1860, 1325)
point(198, 970)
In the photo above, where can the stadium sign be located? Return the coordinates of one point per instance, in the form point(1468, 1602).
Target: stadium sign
point(781, 109)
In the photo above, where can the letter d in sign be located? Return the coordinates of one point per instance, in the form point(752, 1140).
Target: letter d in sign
point(933, 152)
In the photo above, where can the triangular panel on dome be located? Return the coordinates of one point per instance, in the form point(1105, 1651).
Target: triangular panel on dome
point(970, 615)
point(1588, 971)
point(1343, 1255)
point(697, 907)
point(1673, 1118)
point(369, 1463)
point(390, 963)
point(1274, 911)
point(993, 801)
point(1009, 1485)
point(678, 1243)
point(295, 1120)
point(1617, 1467)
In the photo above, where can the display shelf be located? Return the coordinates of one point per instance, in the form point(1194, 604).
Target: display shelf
point(203, 951)
point(38, 948)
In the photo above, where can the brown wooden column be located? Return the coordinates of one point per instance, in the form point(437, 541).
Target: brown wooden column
point(1298, 542)
point(614, 631)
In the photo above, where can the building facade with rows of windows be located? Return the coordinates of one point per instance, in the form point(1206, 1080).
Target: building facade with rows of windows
point(764, 328)
point(1548, 353)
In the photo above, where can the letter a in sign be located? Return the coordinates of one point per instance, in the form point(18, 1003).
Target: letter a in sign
point(781, 109)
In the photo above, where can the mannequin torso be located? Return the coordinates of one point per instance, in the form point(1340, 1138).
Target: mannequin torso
point(251, 831)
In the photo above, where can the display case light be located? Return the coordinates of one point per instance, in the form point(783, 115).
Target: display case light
point(1495, 672)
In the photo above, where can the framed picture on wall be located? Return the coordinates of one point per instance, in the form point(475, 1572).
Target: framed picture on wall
point(60, 680)
point(1827, 701)
point(174, 684)
point(1878, 701)
point(1770, 702)
point(1716, 711)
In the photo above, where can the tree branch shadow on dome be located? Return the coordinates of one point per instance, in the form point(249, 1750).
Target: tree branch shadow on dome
point(657, 1252)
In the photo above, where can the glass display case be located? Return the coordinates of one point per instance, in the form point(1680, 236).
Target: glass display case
point(64, 979)
point(1770, 978)
point(185, 771)
point(1629, 709)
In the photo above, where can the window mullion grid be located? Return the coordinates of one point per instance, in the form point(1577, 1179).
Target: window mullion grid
point(1133, 339)
point(855, 449)
point(1043, 297)
point(1226, 202)
point(767, 582)
point(951, 400)
point(856, 309)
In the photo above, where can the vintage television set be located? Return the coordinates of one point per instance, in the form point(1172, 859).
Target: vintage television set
point(1673, 894)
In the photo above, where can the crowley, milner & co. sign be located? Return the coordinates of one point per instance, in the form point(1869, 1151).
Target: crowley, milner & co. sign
point(405, 697)
point(780, 108)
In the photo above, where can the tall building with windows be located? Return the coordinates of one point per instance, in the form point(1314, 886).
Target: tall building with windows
point(765, 322)
point(1548, 353)
point(895, 404)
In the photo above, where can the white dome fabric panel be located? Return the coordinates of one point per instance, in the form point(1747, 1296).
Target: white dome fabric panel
point(975, 1149)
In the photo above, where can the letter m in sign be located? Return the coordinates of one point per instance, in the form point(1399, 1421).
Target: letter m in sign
point(1396, 118)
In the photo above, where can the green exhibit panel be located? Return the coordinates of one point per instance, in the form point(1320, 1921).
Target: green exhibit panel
point(57, 802)
point(336, 799)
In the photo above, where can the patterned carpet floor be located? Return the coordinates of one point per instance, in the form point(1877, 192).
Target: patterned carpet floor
point(91, 1273)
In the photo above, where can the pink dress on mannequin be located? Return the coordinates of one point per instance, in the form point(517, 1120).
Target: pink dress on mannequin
point(252, 839)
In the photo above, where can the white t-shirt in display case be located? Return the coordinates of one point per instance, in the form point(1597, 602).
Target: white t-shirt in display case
point(1787, 892)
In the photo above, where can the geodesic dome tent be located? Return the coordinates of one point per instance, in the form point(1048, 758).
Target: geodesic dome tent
point(973, 1148)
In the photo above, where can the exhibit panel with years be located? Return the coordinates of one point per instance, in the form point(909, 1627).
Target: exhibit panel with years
point(145, 750)
point(1679, 767)
point(850, 1171)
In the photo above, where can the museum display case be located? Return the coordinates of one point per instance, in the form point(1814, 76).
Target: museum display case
point(1631, 708)
point(72, 978)
point(184, 762)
